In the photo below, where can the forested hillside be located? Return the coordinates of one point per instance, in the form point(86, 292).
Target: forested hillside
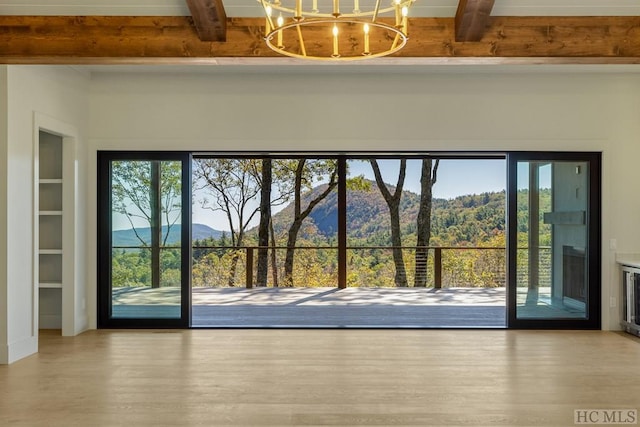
point(142, 236)
point(470, 220)
point(465, 220)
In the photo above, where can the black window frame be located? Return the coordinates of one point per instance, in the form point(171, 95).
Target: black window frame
point(104, 226)
point(105, 320)
point(593, 319)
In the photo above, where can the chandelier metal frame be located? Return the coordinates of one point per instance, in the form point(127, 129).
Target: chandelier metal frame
point(359, 34)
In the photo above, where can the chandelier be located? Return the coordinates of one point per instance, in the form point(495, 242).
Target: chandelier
point(336, 31)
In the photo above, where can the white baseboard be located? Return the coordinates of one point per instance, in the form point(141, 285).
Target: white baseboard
point(22, 348)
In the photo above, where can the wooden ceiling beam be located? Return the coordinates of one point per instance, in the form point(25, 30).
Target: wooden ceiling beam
point(116, 39)
point(472, 19)
point(210, 19)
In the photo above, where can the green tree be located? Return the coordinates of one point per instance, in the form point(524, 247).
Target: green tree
point(232, 185)
point(304, 173)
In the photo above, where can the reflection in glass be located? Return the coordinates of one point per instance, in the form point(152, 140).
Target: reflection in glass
point(552, 278)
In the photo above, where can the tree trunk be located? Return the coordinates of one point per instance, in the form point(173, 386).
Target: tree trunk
point(423, 226)
point(156, 223)
point(263, 227)
point(396, 241)
point(291, 244)
point(393, 202)
point(232, 270)
point(234, 262)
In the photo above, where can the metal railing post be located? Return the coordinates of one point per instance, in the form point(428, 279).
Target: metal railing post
point(437, 268)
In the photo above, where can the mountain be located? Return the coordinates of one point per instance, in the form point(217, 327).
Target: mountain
point(128, 237)
point(469, 219)
point(464, 219)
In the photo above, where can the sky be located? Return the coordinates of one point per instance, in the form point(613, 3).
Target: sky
point(455, 177)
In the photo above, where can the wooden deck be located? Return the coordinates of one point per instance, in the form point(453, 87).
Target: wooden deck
point(351, 307)
point(337, 308)
point(322, 307)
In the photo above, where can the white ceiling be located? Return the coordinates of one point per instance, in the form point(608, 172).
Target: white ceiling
point(250, 8)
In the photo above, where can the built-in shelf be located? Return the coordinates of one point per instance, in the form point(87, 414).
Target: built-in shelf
point(50, 251)
point(51, 276)
point(50, 213)
point(50, 285)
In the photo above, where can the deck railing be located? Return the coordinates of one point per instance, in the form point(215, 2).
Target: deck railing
point(372, 268)
point(438, 262)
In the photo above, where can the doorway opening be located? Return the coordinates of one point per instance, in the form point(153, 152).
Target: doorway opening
point(422, 241)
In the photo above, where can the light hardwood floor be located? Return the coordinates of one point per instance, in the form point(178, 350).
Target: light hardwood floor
point(320, 377)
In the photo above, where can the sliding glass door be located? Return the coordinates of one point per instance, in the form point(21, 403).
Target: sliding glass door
point(348, 211)
point(144, 239)
point(554, 240)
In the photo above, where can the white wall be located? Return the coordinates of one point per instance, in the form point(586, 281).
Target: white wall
point(59, 93)
point(336, 111)
point(4, 349)
point(308, 108)
point(302, 110)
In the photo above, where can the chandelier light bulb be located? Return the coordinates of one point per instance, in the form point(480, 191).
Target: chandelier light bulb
point(267, 22)
point(280, 36)
point(367, 50)
point(335, 41)
point(405, 14)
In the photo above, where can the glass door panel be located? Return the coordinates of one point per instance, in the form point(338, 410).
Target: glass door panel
point(144, 272)
point(554, 240)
